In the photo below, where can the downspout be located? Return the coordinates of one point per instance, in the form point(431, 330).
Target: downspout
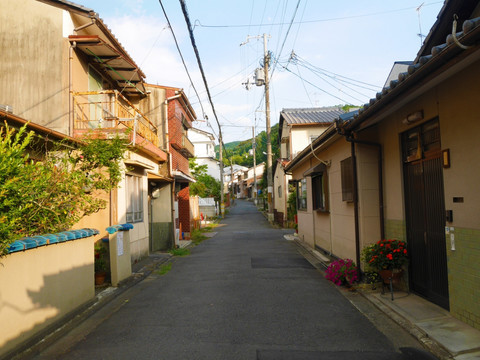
point(70, 88)
point(349, 137)
point(355, 203)
point(170, 169)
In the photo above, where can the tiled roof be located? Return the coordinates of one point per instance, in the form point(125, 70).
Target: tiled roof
point(303, 116)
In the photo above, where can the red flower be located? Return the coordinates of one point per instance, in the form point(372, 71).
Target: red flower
point(389, 256)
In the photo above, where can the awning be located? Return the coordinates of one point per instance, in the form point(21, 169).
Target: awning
point(320, 168)
point(181, 177)
point(138, 163)
point(155, 176)
point(111, 61)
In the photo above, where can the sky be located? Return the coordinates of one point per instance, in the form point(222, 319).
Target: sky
point(324, 53)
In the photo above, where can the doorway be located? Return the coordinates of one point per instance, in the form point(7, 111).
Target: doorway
point(425, 212)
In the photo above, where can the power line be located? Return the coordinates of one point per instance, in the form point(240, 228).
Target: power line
point(303, 62)
point(198, 23)
point(197, 55)
point(286, 35)
point(181, 56)
point(315, 86)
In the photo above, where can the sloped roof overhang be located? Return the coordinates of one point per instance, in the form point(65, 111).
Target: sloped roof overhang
point(112, 62)
point(157, 177)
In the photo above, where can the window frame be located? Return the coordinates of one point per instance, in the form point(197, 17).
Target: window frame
point(302, 195)
point(320, 191)
point(346, 170)
point(134, 195)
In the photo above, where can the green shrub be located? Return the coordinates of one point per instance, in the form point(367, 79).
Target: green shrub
point(51, 195)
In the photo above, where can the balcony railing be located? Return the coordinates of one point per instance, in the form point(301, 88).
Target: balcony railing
point(110, 110)
point(188, 147)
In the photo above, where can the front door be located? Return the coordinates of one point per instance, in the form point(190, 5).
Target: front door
point(425, 212)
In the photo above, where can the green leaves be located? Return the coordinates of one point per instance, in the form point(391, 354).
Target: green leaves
point(53, 194)
point(206, 185)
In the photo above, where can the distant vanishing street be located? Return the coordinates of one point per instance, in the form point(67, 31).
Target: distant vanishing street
point(247, 293)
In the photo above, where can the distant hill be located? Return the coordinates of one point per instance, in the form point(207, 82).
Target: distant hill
point(238, 151)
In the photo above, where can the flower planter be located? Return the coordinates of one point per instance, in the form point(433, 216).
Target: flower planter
point(100, 277)
point(394, 276)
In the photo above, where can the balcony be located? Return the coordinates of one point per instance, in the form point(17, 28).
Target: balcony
point(185, 147)
point(111, 112)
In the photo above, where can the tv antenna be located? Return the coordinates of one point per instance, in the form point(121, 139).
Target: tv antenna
point(420, 24)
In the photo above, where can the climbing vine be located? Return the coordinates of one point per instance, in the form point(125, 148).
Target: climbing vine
point(51, 195)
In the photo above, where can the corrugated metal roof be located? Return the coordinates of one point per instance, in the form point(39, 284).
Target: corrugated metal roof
point(304, 116)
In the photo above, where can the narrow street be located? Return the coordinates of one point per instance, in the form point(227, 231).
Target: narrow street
point(247, 293)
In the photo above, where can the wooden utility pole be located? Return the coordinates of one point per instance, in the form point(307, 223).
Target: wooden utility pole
point(269, 142)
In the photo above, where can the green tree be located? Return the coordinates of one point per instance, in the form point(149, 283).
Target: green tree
point(38, 197)
point(206, 185)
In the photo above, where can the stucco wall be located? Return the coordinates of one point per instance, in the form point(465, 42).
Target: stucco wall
point(154, 108)
point(31, 41)
point(300, 136)
point(39, 286)
point(280, 181)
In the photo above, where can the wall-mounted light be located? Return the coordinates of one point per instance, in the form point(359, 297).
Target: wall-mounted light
point(413, 117)
point(446, 158)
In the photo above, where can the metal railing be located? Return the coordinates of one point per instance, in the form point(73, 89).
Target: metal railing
point(110, 110)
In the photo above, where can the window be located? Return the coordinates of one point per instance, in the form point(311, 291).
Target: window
point(346, 168)
point(302, 194)
point(134, 190)
point(280, 191)
point(320, 191)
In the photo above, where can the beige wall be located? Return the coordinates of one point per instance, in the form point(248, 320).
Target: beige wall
point(31, 41)
point(460, 127)
point(40, 286)
point(280, 180)
point(300, 136)
point(334, 231)
point(368, 194)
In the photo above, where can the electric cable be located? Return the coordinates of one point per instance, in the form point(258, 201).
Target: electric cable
point(285, 39)
point(318, 20)
point(181, 56)
point(197, 55)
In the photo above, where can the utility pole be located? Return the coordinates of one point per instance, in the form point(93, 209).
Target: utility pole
point(260, 82)
point(254, 145)
point(269, 142)
point(222, 201)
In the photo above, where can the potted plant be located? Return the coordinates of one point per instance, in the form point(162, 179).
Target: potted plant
point(100, 264)
point(342, 272)
point(387, 257)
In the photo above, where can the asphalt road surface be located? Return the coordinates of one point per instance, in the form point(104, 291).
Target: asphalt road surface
point(247, 293)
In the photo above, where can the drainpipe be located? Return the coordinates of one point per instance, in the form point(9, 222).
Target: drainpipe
point(170, 170)
point(70, 88)
point(349, 137)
